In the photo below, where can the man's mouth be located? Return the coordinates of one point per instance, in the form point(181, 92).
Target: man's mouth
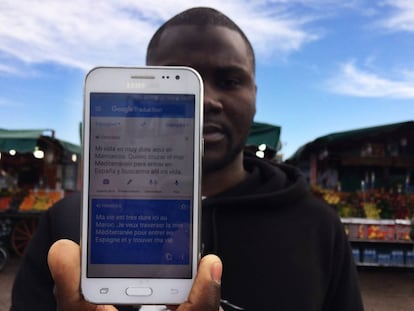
point(213, 133)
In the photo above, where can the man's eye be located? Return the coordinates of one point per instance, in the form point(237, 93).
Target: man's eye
point(230, 83)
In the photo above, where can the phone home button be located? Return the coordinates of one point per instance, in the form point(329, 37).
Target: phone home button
point(139, 291)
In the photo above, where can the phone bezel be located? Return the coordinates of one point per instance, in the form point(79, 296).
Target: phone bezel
point(141, 80)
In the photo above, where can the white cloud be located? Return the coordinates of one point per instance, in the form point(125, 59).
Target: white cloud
point(72, 33)
point(402, 16)
point(7, 69)
point(353, 81)
point(84, 33)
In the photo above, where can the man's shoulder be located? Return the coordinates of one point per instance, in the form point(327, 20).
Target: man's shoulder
point(64, 217)
point(316, 208)
point(70, 204)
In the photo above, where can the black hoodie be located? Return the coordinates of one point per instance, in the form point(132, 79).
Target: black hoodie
point(282, 248)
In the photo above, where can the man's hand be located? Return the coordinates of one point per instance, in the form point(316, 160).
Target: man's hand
point(205, 293)
point(64, 264)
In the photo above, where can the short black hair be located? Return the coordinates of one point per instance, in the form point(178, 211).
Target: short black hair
point(198, 16)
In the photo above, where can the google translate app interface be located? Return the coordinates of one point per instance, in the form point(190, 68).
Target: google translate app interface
point(141, 178)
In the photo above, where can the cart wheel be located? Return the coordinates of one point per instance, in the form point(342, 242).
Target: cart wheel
point(23, 231)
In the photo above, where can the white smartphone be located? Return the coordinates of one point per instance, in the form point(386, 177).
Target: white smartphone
point(142, 147)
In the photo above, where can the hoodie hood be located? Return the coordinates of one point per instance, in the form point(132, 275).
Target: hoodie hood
point(270, 189)
point(267, 181)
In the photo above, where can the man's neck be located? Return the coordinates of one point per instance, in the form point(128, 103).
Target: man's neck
point(218, 181)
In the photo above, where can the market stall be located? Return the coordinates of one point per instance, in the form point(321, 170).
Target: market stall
point(367, 176)
point(36, 170)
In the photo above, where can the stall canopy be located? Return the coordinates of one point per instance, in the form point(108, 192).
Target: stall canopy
point(262, 133)
point(24, 141)
point(342, 140)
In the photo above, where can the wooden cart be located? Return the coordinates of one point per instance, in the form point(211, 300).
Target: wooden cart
point(18, 222)
point(17, 229)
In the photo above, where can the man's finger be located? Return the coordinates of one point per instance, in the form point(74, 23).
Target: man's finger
point(64, 264)
point(205, 293)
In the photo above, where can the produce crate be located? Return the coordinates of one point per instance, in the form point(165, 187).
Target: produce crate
point(402, 229)
point(377, 229)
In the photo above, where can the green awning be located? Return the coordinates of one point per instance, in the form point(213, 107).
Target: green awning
point(20, 140)
point(263, 133)
point(70, 147)
point(24, 141)
point(338, 139)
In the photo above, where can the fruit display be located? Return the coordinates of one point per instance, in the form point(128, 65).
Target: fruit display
point(5, 203)
point(40, 200)
point(5, 198)
point(331, 197)
point(29, 200)
point(380, 232)
point(372, 215)
point(371, 210)
point(371, 204)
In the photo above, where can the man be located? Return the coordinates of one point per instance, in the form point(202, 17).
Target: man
point(281, 248)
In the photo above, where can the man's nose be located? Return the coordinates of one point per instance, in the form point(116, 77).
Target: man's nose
point(212, 100)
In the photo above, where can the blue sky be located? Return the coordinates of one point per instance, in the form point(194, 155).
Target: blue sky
point(323, 66)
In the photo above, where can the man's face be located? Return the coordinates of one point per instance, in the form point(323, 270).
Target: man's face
point(221, 57)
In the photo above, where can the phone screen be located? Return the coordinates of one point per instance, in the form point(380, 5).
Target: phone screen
point(141, 168)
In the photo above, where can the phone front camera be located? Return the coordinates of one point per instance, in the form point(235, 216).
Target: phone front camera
point(177, 77)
